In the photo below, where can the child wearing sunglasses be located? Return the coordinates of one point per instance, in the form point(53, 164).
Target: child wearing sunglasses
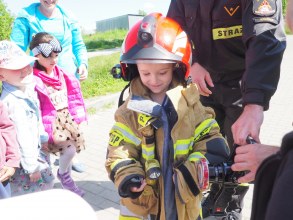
point(61, 104)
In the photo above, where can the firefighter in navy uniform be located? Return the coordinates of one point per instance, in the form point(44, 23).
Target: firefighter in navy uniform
point(238, 47)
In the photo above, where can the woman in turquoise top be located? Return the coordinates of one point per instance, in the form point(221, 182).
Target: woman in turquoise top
point(47, 16)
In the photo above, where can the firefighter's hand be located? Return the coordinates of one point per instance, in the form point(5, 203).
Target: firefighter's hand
point(35, 177)
point(202, 78)
point(248, 124)
point(6, 173)
point(289, 15)
point(249, 157)
point(83, 72)
point(139, 189)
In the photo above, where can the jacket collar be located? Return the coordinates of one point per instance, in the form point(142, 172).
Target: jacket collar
point(140, 100)
point(17, 92)
point(28, 95)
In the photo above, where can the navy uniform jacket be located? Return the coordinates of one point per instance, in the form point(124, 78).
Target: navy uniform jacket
point(236, 40)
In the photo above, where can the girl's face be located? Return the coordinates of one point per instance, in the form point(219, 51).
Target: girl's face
point(48, 62)
point(19, 78)
point(156, 77)
point(49, 4)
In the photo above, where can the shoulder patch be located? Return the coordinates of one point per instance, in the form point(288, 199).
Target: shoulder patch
point(264, 8)
point(115, 138)
point(143, 119)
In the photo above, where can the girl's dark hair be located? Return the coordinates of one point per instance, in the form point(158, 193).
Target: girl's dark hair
point(41, 37)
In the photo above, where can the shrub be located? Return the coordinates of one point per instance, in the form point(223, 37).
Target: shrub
point(6, 22)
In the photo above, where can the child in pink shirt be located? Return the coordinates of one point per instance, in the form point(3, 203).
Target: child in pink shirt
point(9, 152)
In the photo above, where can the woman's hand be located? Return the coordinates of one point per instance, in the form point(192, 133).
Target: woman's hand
point(82, 71)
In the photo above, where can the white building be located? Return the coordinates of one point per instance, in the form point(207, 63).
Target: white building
point(120, 22)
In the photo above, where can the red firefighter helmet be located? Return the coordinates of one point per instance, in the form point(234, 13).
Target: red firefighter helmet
point(155, 39)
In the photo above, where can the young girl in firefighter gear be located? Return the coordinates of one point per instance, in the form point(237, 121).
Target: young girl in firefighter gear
point(162, 135)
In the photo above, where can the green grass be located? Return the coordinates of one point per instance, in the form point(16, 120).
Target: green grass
point(100, 81)
point(287, 30)
point(91, 111)
point(105, 40)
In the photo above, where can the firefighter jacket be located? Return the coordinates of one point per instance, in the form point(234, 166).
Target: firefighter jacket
point(172, 136)
point(236, 40)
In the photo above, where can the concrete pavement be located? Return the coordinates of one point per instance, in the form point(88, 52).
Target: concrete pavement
point(100, 191)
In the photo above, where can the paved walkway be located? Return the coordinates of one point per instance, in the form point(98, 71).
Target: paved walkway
point(100, 192)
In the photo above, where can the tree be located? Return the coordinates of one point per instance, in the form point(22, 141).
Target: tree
point(284, 6)
point(142, 12)
point(6, 22)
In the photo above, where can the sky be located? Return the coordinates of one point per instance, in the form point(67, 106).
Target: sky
point(90, 11)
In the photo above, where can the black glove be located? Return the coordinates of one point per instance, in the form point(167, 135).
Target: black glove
point(127, 183)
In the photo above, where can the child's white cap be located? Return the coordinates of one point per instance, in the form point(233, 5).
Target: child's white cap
point(12, 57)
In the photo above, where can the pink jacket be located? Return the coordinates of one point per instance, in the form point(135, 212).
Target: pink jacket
point(9, 148)
point(76, 105)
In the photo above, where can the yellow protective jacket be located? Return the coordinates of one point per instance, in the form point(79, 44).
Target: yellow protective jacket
point(142, 135)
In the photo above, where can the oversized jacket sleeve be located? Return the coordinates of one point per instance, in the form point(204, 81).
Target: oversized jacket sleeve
point(265, 43)
point(8, 134)
point(206, 142)
point(124, 151)
point(197, 126)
